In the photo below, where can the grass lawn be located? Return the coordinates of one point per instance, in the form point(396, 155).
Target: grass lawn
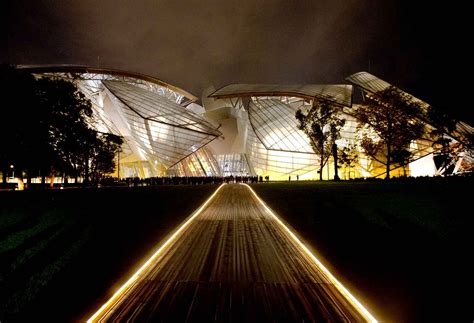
point(64, 252)
point(404, 247)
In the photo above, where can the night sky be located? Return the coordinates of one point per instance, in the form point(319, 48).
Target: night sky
point(197, 44)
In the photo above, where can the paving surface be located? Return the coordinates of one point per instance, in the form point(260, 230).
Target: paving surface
point(235, 263)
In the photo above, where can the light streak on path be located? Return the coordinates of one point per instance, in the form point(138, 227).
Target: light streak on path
point(233, 260)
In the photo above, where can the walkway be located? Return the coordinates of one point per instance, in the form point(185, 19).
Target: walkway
point(233, 261)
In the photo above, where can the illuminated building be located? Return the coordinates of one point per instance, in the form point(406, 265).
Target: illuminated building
point(162, 128)
point(239, 130)
point(422, 163)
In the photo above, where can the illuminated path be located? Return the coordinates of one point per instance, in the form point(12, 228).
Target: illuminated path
point(233, 261)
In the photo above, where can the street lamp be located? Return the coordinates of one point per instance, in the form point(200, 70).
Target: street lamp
point(13, 170)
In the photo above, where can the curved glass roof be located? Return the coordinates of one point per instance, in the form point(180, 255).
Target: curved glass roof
point(98, 74)
point(276, 127)
point(337, 93)
point(152, 106)
point(368, 82)
point(160, 127)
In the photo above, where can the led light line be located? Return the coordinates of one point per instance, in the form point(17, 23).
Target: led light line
point(350, 298)
point(104, 309)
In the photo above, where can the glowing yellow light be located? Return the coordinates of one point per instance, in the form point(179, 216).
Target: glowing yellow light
point(21, 184)
point(350, 298)
point(105, 309)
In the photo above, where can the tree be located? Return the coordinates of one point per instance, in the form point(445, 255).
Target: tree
point(446, 150)
point(322, 125)
point(46, 130)
point(67, 113)
point(102, 155)
point(389, 120)
point(402, 158)
point(19, 116)
point(348, 157)
point(82, 151)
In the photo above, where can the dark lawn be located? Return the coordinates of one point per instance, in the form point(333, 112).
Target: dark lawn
point(404, 247)
point(62, 253)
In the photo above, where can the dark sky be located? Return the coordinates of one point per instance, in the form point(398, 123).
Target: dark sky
point(195, 44)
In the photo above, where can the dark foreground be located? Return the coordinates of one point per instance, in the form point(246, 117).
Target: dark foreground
point(233, 263)
point(64, 252)
point(405, 247)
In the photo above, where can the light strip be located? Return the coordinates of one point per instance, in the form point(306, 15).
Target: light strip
point(104, 309)
point(350, 298)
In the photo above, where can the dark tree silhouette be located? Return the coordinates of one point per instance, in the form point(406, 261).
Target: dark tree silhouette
point(348, 157)
point(102, 154)
point(446, 149)
point(67, 113)
point(18, 114)
point(46, 129)
point(322, 124)
point(389, 120)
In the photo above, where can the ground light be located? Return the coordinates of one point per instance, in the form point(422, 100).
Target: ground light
point(104, 309)
point(344, 291)
point(141, 272)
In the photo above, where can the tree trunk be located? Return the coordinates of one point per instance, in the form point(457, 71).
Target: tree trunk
point(321, 166)
point(75, 172)
point(86, 172)
point(389, 152)
point(334, 154)
point(321, 162)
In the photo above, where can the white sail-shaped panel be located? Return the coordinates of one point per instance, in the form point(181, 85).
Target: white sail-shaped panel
point(275, 125)
point(161, 127)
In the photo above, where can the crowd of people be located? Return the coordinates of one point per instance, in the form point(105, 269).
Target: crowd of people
point(182, 180)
